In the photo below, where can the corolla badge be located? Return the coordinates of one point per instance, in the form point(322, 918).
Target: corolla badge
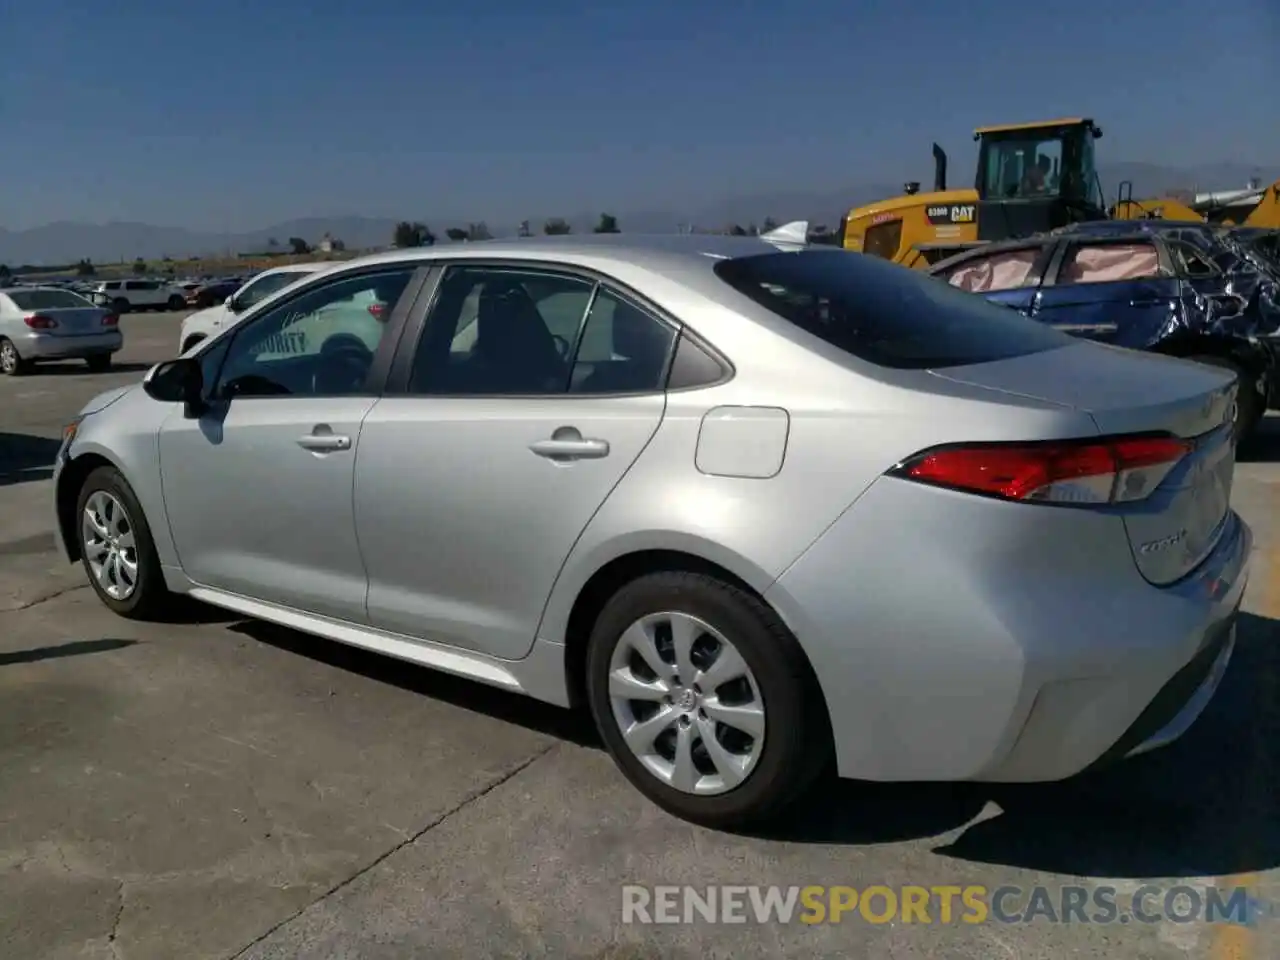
point(1164, 543)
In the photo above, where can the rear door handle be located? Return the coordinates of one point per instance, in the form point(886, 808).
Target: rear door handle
point(571, 449)
point(324, 440)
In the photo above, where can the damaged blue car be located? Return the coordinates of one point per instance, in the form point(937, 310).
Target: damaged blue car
point(1181, 289)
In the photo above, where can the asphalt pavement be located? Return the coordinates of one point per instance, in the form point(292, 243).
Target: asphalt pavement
point(222, 788)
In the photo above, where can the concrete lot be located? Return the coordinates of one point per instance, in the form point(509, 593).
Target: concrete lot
point(217, 788)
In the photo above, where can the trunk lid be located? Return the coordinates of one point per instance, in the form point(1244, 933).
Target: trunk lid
point(73, 321)
point(1127, 392)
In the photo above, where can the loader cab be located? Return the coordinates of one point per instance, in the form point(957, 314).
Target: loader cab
point(1036, 177)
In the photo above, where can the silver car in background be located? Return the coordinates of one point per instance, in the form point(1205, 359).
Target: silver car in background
point(39, 324)
point(762, 508)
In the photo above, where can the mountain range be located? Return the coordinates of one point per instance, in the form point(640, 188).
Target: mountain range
point(67, 242)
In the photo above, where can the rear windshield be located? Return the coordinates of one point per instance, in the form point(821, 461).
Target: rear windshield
point(883, 313)
point(47, 299)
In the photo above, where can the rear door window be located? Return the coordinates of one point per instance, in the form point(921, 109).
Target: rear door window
point(1109, 262)
point(1006, 270)
point(48, 300)
point(882, 313)
point(1190, 263)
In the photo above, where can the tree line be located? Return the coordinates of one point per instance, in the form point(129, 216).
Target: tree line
point(413, 233)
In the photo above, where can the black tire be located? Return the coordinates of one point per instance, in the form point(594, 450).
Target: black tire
point(797, 743)
point(176, 303)
point(11, 364)
point(150, 598)
point(99, 362)
point(1250, 405)
point(121, 305)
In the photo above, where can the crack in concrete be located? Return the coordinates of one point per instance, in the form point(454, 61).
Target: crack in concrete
point(466, 801)
point(112, 937)
point(44, 598)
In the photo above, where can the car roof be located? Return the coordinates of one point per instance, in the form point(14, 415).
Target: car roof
point(311, 267)
point(682, 253)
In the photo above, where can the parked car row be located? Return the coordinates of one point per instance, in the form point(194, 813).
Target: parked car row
point(762, 508)
point(1185, 290)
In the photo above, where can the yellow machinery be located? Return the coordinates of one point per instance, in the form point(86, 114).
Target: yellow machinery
point(1031, 177)
point(1250, 207)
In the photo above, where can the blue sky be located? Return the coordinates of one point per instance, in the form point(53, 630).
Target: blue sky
point(235, 115)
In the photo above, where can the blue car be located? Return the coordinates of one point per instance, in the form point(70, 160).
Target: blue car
point(1177, 289)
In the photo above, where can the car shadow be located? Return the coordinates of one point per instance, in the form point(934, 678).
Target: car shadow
point(1263, 445)
point(1205, 806)
point(76, 648)
point(25, 458)
point(467, 694)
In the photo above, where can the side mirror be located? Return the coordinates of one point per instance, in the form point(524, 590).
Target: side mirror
point(233, 305)
point(177, 381)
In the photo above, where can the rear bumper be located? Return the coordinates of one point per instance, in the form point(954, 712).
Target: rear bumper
point(42, 346)
point(955, 640)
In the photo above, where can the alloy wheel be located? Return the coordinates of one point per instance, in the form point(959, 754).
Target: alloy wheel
point(8, 357)
point(686, 703)
point(107, 537)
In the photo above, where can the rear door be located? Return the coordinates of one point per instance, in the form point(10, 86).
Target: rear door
point(527, 398)
point(1123, 292)
point(1009, 276)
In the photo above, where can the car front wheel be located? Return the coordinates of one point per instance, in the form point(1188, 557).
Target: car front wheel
point(705, 700)
point(116, 547)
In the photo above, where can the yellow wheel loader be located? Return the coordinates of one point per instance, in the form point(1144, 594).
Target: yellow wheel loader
point(1031, 177)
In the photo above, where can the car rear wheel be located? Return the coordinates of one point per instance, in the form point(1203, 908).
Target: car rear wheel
point(705, 700)
point(176, 302)
point(120, 305)
point(116, 547)
point(11, 365)
point(1250, 406)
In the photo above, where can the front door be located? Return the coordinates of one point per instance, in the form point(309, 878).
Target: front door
point(517, 422)
point(1120, 293)
point(258, 487)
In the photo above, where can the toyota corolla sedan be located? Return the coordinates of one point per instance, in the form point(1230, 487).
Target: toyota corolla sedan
point(759, 507)
point(41, 324)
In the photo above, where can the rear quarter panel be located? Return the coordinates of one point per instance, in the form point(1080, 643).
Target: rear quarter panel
point(846, 428)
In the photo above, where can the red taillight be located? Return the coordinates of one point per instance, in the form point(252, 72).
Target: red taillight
point(377, 309)
point(110, 320)
point(1096, 471)
point(38, 321)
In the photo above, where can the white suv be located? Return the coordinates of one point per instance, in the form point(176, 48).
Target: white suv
point(124, 295)
point(205, 323)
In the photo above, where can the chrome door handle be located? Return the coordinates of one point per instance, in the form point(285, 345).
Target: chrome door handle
point(324, 442)
point(571, 449)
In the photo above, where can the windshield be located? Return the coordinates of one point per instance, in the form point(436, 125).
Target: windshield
point(883, 314)
point(1022, 167)
point(48, 300)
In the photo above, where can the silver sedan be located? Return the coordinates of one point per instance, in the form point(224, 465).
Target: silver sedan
point(761, 508)
point(38, 324)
